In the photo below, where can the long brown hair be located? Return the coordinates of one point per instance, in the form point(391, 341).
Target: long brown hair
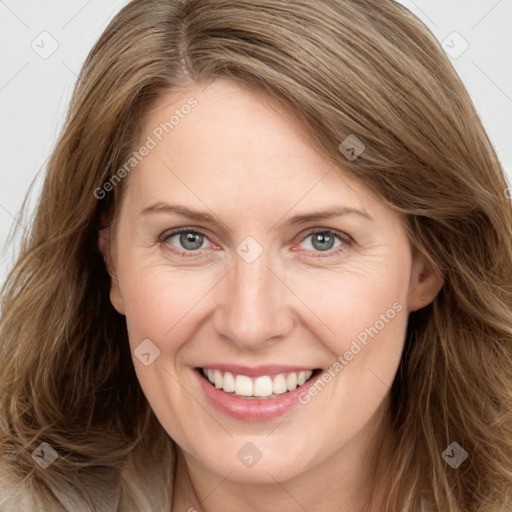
point(367, 68)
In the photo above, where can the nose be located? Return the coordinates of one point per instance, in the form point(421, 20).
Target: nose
point(253, 305)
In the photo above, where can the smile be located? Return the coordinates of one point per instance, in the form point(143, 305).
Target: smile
point(261, 387)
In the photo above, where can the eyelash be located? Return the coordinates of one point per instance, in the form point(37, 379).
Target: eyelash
point(343, 237)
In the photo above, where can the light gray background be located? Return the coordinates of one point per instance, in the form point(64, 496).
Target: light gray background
point(35, 87)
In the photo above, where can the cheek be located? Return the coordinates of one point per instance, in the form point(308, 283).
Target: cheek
point(151, 292)
point(160, 304)
point(358, 306)
point(364, 321)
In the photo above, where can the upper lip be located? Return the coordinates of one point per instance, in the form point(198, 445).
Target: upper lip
point(257, 371)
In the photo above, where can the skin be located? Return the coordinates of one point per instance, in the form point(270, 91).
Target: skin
point(242, 158)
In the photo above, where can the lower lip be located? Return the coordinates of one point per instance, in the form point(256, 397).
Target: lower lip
point(253, 409)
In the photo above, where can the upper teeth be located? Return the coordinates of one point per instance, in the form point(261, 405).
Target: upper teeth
point(261, 386)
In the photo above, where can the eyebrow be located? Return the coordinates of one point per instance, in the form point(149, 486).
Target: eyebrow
point(160, 207)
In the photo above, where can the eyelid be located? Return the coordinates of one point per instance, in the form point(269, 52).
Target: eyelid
point(342, 235)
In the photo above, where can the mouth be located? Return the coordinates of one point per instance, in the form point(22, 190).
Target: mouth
point(261, 387)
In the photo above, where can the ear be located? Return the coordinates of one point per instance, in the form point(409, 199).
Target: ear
point(425, 282)
point(104, 246)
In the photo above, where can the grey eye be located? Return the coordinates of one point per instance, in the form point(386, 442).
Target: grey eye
point(322, 241)
point(188, 240)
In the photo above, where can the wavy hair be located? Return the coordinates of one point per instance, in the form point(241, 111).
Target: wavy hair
point(363, 67)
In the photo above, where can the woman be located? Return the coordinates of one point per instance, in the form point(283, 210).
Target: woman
point(271, 269)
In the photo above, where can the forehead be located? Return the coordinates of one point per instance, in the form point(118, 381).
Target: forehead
point(235, 144)
point(227, 119)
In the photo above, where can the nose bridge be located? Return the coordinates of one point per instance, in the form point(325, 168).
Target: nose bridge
point(253, 308)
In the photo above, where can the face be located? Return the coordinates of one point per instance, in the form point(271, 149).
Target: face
point(243, 257)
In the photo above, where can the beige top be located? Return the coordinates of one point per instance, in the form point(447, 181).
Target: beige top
point(106, 499)
point(15, 496)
